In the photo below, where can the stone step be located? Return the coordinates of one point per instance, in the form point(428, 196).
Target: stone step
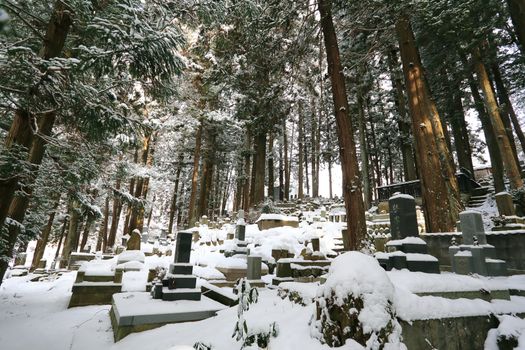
point(481, 191)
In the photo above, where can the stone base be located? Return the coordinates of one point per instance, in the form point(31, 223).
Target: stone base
point(219, 295)
point(137, 312)
point(181, 294)
point(278, 280)
point(93, 293)
point(503, 294)
point(465, 333)
point(257, 283)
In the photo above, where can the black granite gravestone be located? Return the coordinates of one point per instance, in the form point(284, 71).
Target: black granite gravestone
point(183, 247)
point(403, 218)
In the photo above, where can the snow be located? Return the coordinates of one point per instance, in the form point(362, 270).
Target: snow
point(131, 255)
point(509, 327)
point(278, 217)
point(133, 265)
point(357, 274)
point(407, 240)
point(401, 195)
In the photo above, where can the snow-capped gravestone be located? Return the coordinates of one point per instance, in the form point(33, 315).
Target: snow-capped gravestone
point(508, 220)
point(253, 272)
point(179, 283)
point(134, 240)
point(505, 204)
point(406, 250)
point(268, 221)
point(357, 302)
point(240, 246)
point(175, 299)
point(475, 255)
point(403, 216)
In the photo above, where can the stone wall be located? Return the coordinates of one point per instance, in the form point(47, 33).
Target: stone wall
point(510, 246)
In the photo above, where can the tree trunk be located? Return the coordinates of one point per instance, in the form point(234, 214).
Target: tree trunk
point(44, 237)
point(247, 171)
point(505, 102)
point(115, 218)
point(271, 178)
point(87, 230)
point(509, 162)
point(260, 165)
point(356, 225)
point(286, 162)
point(367, 188)
point(437, 184)
point(490, 137)
point(61, 239)
point(409, 166)
point(300, 145)
point(72, 234)
point(517, 14)
point(173, 205)
point(102, 239)
point(195, 176)
point(56, 33)
point(456, 116)
point(282, 167)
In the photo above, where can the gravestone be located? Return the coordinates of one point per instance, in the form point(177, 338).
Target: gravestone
point(505, 204)
point(475, 255)
point(144, 238)
point(20, 259)
point(403, 217)
point(254, 268)
point(133, 242)
point(315, 244)
point(183, 247)
point(471, 223)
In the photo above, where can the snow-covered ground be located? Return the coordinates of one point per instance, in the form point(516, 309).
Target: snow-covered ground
point(34, 315)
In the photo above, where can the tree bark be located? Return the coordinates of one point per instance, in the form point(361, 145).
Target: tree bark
point(173, 205)
point(300, 145)
point(355, 213)
point(72, 234)
point(403, 122)
point(367, 188)
point(438, 185)
point(102, 239)
point(259, 166)
point(490, 137)
point(271, 177)
point(44, 237)
point(456, 116)
point(247, 171)
point(517, 15)
point(505, 102)
point(286, 162)
point(195, 176)
point(509, 162)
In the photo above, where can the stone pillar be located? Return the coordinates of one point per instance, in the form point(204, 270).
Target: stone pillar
point(505, 204)
point(253, 272)
point(472, 225)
